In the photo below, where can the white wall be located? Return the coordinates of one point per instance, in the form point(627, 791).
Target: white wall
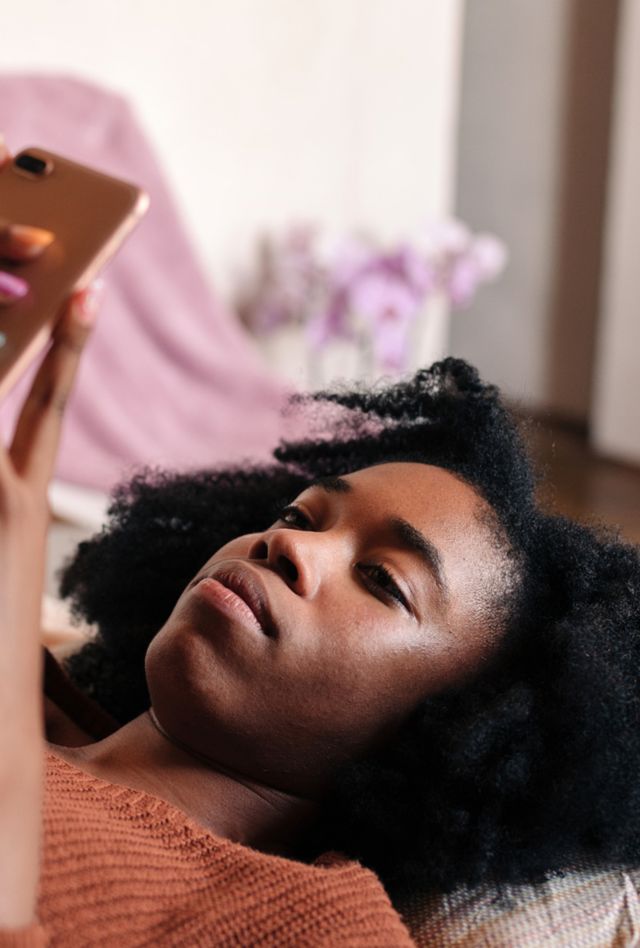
point(616, 406)
point(534, 138)
point(508, 182)
point(268, 110)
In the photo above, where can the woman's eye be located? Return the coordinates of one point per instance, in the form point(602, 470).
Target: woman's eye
point(379, 575)
point(294, 517)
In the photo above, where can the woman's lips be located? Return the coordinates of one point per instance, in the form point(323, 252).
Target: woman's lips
point(228, 602)
point(247, 583)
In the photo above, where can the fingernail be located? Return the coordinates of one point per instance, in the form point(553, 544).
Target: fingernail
point(87, 304)
point(12, 287)
point(4, 151)
point(31, 240)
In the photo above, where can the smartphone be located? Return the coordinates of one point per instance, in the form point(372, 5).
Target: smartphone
point(90, 214)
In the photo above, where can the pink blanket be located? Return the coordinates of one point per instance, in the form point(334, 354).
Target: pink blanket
point(169, 376)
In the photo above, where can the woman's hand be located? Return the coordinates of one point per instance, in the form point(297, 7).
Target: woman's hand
point(17, 243)
point(26, 467)
point(25, 470)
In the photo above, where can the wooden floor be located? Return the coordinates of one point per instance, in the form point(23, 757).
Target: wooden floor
point(582, 485)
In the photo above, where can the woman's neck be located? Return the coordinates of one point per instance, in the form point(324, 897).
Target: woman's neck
point(143, 756)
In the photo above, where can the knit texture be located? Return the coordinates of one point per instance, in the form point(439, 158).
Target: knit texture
point(121, 867)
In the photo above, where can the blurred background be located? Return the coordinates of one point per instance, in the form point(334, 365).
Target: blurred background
point(401, 129)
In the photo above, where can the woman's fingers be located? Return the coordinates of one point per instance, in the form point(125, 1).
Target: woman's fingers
point(4, 151)
point(35, 443)
point(20, 242)
point(12, 288)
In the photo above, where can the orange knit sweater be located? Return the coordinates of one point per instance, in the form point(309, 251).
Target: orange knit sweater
point(121, 867)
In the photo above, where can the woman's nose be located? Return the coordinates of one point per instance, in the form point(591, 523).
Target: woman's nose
point(294, 556)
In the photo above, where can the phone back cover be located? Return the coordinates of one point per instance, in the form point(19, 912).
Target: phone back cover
point(89, 213)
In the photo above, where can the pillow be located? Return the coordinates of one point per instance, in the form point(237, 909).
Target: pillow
point(583, 907)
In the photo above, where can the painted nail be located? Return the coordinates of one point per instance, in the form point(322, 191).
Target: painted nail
point(31, 240)
point(86, 306)
point(12, 287)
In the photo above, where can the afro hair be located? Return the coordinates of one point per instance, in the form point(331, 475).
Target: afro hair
point(530, 767)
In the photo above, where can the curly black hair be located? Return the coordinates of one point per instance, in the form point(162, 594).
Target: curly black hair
point(529, 768)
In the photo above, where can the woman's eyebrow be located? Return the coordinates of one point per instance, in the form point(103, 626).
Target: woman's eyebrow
point(404, 533)
point(332, 485)
point(413, 540)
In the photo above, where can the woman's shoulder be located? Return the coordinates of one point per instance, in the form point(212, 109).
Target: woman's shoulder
point(71, 718)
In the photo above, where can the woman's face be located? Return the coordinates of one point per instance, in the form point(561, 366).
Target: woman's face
point(371, 594)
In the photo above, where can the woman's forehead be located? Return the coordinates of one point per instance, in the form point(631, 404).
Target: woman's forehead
point(417, 482)
point(426, 496)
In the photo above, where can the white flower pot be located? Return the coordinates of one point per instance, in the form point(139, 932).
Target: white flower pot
point(288, 353)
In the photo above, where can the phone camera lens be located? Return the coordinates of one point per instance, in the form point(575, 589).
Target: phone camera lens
point(30, 163)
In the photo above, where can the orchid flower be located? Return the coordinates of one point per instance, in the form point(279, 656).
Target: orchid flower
point(353, 289)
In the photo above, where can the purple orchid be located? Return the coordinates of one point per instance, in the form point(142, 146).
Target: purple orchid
point(372, 297)
point(385, 298)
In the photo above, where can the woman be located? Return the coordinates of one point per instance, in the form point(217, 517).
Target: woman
point(377, 645)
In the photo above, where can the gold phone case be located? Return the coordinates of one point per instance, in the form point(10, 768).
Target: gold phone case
point(90, 214)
